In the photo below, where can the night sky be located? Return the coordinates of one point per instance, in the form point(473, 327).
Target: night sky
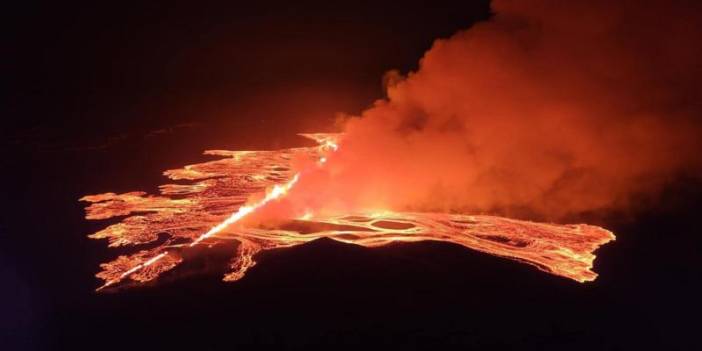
point(103, 97)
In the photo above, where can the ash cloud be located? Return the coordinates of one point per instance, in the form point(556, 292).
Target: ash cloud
point(552, 108)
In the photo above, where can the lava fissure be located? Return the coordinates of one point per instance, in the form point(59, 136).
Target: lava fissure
point(224, 191)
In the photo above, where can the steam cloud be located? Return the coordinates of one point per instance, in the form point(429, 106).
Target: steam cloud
point(551, 107)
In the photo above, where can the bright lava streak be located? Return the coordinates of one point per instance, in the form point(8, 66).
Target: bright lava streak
point(136, 268)
point(278, 191)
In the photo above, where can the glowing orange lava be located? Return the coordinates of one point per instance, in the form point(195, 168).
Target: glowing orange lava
point(222, 192)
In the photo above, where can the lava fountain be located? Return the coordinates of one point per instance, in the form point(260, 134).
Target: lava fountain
point(219, 194)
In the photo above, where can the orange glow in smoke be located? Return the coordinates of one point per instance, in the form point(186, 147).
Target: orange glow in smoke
point(223, 192)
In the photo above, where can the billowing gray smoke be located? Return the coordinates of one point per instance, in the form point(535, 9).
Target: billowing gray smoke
point(553, 107)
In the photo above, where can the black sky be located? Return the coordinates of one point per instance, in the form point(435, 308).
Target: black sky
point(262, 66)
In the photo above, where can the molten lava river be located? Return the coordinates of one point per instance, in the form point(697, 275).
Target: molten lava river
point(208, 210)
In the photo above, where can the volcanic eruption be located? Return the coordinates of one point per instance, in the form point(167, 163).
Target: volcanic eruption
point(524, 113)
point(214, 208)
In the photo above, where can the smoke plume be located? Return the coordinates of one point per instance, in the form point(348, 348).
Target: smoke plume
point(550, 107)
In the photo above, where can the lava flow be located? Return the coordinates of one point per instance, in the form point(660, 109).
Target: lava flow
point(208, 210)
